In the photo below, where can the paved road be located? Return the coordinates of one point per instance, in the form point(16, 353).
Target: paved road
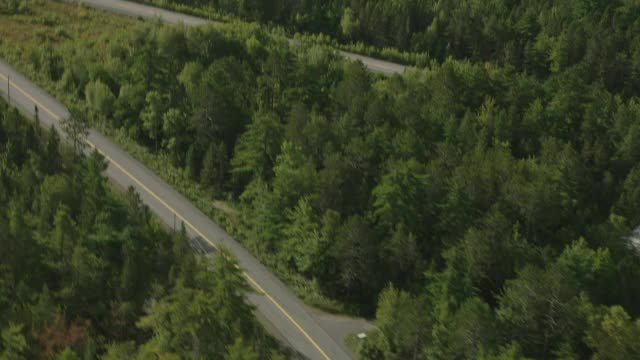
point(276, 305)
point(144, 11)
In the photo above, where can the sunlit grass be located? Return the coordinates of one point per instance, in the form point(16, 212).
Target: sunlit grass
point(58, 23)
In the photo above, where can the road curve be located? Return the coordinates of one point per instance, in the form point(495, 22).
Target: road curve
point(145, 11)
point(276, 305)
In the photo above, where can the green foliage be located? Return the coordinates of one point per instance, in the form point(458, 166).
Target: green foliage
point(495, 189)
point(591, 270)
point(240, 351)
point(214, 167)
point(14, 6)
point(256, 150)
point(401, 319)
point(92, 273)
point(539, 310)
point(13, 343)
point(509, 352)
point(76, 128)
point(627, 204)
point(531, 35)
point(613, 335)
point(67, 354)
point(306, 244)
point(119, 351)
point(203, 318)
point(348, 24)
point(100, 98)
point(398, 196)
point(152, 116)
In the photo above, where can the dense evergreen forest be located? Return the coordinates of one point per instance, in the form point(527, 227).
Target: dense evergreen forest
point(480, 207)
point(517, 33)
point(87, 273)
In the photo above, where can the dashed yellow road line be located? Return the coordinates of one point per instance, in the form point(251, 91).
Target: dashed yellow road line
point(182, 218)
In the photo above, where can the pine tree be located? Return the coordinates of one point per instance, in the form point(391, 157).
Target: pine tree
point(214, 167)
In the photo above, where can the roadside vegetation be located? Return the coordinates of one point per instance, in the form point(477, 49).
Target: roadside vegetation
point(300, 28)
point(478, 208)
point(88, 273)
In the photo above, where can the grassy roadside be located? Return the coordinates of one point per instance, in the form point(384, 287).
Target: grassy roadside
point(80, 30)
point(387, 54)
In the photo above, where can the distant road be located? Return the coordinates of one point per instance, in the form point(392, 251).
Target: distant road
point(276, 305)
point(144, 11)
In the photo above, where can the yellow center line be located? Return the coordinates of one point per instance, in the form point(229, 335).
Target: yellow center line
point(182, 218)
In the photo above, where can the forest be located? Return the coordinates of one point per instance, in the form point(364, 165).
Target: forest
point(88, 273)
point(480, 207)
point(507, 32)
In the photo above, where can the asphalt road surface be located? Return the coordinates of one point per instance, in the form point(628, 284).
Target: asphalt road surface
point(277, 307)
point(144, 11)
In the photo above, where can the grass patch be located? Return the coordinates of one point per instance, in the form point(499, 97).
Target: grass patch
point(76, 20)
